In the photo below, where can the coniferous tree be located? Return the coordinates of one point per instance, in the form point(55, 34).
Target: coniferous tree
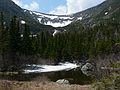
point(15, 40)
point(26, 41)
point(4, 43)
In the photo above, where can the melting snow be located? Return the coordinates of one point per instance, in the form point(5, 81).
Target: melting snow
point(38, 13)
point(45, 15)
point(52, 68)
point(39, 19)
point(67, 17)
point(106, 13)
point(25, 10)
point(31, 13)
point(21, 35)
point(53, 16)
point(58, 24)
point(80, 18)
point(51, 19)
point(55, 32)
point(22, 22)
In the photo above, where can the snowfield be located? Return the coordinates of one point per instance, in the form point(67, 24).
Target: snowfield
point(58, 24)
point(22, 22)
point(55, 32)
point(53, 20)
point(51, 68)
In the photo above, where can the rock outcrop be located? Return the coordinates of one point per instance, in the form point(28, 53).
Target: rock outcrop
point(87, 69)
point(63, 81)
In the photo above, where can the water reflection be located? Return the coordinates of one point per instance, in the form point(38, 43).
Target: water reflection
point(73, 76)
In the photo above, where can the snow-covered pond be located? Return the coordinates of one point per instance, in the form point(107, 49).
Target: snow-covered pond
point(50, 68)
point(67, 71)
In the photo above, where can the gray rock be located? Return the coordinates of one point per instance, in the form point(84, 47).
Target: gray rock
point(87, 69)
point(62, 81)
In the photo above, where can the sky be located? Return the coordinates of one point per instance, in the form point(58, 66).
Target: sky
point(59, 7)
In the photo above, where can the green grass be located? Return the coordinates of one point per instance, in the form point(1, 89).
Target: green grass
point(8, 73)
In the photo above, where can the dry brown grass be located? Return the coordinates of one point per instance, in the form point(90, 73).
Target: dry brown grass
point(37, 85)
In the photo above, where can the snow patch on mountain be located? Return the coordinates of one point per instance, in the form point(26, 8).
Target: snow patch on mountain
point(58, 24)
point(55, 32)
point(67, 17)
point(106, 13)
point(79, 18)
point(22, 22)
point(45, 15)
point(53, 20)
point(39, 19)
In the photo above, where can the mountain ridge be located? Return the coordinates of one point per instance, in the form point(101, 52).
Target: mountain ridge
point(90, 16)
point(10, 9)
point(108, 9)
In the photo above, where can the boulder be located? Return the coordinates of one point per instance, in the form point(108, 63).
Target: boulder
point(62, 81)
point(87, 69)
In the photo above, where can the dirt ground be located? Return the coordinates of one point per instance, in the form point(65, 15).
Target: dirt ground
point(36, 85)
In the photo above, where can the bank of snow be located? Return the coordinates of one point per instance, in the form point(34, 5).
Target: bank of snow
point(58, 24)
point(53, 20)
point(50, 68)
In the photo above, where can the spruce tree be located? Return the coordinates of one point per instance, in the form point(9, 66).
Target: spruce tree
point(4, 43)
point(26, 41)
point(15, 40)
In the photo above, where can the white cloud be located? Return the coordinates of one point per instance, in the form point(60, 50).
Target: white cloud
point(73, 6)
point(59, 10)
point(32, 6)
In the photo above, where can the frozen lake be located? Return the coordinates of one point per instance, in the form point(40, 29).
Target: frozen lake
point(50, 68)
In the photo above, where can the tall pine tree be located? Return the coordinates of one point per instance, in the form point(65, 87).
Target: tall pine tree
point(4, 43)
point(15, 39)
point(26, 41)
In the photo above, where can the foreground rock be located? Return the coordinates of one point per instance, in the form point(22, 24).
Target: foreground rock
point(35, 85)
point(62, 81)
point(88, 69)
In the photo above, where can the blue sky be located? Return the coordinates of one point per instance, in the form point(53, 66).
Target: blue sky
point(47, 5)
point(57, 6)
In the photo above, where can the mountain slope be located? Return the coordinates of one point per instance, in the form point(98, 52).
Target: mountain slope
point(10, 9)
point(53, 20)
point(109, 9)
